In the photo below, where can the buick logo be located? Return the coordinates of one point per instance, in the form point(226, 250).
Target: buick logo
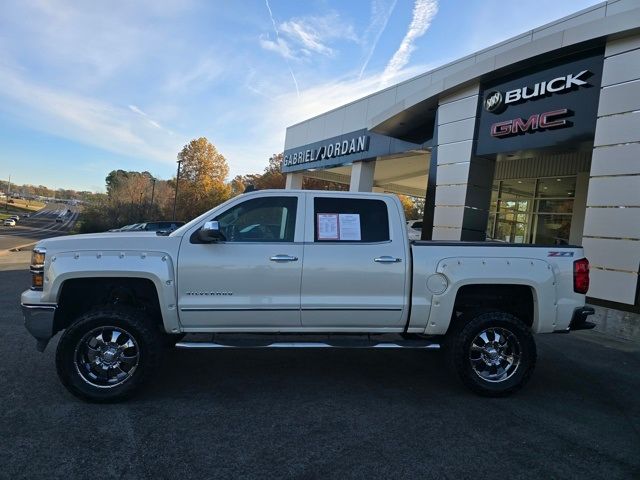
point(493, 102)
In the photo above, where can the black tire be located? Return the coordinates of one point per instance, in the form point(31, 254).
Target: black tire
point(475, 373)
point(74, 354)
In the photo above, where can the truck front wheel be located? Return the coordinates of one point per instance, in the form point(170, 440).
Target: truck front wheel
point(107, 354)
point(494, 354)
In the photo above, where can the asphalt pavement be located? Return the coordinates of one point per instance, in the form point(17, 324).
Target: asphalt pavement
point(321, 414)
point(39, 225)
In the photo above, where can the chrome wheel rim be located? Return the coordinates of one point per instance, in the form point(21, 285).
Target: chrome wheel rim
point(107, 357)
point(495, 354)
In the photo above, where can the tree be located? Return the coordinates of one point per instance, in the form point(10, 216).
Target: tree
point(202, 179)
point(413, 207)
point(274, 178)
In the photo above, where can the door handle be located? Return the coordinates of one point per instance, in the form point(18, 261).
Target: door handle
point(283, 258)
point(387, 259)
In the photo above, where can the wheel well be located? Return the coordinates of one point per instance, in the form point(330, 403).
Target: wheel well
point(472, 300)
point(80, 295)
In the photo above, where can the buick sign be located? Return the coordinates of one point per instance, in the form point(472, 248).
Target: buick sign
point(493, 102)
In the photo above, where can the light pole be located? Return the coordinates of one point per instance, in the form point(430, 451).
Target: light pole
point(175, 199)
point(153, 189)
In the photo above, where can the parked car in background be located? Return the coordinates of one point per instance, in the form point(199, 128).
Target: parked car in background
point(126, 228)
point(414, 229)
point(165, 226)
point(9, 222)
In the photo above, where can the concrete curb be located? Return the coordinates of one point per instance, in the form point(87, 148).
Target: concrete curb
point(16, 249)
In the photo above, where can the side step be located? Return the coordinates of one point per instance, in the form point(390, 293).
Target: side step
point(307, 341)
point(196, 345)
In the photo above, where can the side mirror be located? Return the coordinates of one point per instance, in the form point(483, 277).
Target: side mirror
point(210, 232)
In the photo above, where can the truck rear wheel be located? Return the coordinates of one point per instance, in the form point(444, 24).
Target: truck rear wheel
point(494, 354)
point(107, 354)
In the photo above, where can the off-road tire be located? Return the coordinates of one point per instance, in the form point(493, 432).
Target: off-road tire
point(149, 347)
point(458, 349)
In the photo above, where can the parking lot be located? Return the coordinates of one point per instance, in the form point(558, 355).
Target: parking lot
point(321, 414)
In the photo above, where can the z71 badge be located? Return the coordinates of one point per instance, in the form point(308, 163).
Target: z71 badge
point(560, 254)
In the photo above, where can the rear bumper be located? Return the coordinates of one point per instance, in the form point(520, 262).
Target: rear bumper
point(38, 319)
point(579, 319)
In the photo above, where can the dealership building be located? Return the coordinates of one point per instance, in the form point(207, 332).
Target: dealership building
point(533, 140)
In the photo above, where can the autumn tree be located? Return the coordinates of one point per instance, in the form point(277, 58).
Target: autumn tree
point(202, 186)
point(413, 207)
point(272, 177)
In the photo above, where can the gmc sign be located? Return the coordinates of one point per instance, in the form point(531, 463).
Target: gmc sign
point(537, 121)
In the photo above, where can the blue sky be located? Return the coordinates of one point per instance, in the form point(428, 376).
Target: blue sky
point(87, 87)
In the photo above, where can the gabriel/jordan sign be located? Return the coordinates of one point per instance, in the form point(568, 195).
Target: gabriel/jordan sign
point(330, 150)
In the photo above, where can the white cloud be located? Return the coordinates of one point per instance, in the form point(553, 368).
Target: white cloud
point(279, 46)
point(197, 76)
point(423, 13)
point(301, 37)
point(150, 121)
point(86, 120)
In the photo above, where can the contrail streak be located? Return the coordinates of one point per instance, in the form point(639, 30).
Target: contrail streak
point(275, 29)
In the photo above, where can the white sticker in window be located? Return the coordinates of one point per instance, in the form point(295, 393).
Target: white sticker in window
point(349, 226)
point(327, 226)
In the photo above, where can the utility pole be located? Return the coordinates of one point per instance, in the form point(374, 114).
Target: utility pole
point(153, 189)
point(175, 199)
point(6, 201)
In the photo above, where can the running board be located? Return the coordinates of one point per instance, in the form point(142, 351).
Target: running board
point(408, 345)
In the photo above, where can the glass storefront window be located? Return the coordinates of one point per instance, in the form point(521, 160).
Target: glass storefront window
point(514, 189)
point(555, 206)
point(562, 187)
point(532, 210)
point(553, 229)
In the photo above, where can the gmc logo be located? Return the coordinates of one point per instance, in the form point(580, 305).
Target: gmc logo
point(537, 121)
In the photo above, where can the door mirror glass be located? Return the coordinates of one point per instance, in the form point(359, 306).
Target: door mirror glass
point(210, 232)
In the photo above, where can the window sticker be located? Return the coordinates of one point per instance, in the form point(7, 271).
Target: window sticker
point(349, 226)
point(327, 226)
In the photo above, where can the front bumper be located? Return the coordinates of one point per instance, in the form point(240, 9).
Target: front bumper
point(38, 319)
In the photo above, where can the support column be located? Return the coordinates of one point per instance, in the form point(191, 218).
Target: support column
point(294, 181)
point(463, 182)
point(362, 176)
point(611, 236)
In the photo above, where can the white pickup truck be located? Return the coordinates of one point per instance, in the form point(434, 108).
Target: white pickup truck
point(287, 268)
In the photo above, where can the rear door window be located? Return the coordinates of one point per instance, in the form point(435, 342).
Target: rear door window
point(350, 220)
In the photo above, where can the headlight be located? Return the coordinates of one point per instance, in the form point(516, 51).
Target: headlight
point(37, 268)
point(37, 257)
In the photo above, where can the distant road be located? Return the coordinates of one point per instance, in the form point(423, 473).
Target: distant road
point(39, 225)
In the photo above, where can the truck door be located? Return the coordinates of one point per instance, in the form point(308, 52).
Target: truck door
point(252, 278)
point(355, 271)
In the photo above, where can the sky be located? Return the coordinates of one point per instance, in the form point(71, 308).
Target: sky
point(88, 87)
